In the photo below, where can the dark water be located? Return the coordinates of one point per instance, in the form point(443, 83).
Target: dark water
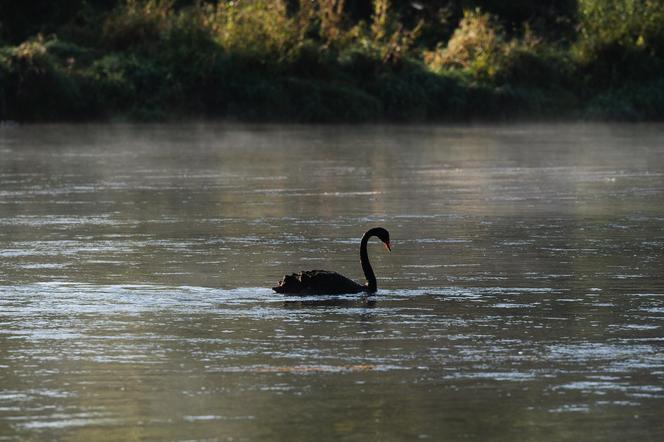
point(524, 298)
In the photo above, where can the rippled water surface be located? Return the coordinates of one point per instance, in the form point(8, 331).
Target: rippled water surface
point(523, 299)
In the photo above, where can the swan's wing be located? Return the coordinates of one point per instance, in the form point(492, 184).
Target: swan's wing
point(317, 282)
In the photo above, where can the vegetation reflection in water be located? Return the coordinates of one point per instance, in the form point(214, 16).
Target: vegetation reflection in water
point(524, 295)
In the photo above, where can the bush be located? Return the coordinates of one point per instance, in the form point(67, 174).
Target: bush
point(475, 46)
point(36, 87)
point(260, 28)
point(137, 24)
point(620, 41)
point(629, 24)
point(632, 102)
point(314, 101)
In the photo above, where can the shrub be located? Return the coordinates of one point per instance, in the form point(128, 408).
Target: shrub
point(37, 88)
point(631, 102)
point(315, 101)
point(260, 28)
point(630, 24)
point(620, 42)
point(388, 35)
point(474, 45)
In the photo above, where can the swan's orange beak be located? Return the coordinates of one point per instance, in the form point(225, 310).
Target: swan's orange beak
point(387, 246)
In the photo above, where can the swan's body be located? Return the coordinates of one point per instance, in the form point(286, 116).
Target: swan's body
point(315, 282)
point(323, 282)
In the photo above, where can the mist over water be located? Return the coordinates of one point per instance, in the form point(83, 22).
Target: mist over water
point(523, 299)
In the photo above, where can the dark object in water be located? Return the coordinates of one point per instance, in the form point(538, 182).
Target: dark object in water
point(324, 282)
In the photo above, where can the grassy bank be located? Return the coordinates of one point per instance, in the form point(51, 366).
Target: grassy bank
point(325, 60)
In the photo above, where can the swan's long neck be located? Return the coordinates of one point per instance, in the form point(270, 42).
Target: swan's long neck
point(366, 265)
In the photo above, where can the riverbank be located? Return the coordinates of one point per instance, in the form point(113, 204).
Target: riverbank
point(312, 62)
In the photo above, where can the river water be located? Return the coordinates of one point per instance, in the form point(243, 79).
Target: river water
point(523, 299)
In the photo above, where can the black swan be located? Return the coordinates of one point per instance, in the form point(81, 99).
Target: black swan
point(324, 282)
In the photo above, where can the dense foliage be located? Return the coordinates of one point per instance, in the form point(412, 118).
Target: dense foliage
point(331, 60)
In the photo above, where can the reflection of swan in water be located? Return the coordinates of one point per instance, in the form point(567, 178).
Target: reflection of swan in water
point(323, 282)
point(326, 303)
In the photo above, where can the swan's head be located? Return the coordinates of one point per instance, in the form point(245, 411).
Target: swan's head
point(383, 235)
